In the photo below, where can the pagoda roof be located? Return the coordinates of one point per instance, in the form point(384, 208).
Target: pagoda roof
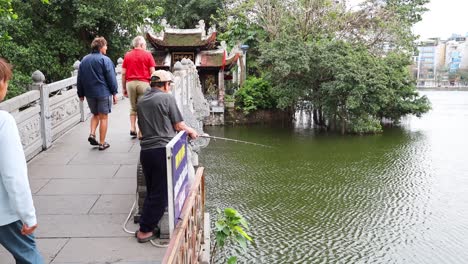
point(216, 59)
point(182, 38)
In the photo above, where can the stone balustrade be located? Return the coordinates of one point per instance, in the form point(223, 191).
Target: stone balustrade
point(47, 111)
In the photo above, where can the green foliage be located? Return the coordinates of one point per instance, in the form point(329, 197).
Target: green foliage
point(6, 14)
point(255, 94)
point(236, 28)
point(230, 229)
point(365, 125)
point(229, 98)
point(51, 37)
point(351, 87)
point(187, 13)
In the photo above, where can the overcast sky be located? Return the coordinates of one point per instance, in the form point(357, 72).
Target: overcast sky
point(443, 18)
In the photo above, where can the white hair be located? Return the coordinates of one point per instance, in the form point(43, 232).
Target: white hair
point(138, 41)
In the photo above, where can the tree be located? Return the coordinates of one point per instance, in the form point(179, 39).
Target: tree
point(187, 13)
point(351, 64)
point(52, 37)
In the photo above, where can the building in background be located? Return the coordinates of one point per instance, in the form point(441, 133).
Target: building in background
point(429, 61)
point(442, 62)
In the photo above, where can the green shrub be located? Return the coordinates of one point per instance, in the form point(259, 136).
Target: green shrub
point(365, 125)
point(18, 85)
point(255, 94)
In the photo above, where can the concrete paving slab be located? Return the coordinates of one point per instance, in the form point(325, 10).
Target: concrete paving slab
point(66, 226)
point(48, 248)
point(105, 157)
point(72, 171)
point(81, 144)
point(127, 171)
point(136, 148)
point(83, 196)
point(113, 204)
point(37, 184)
point(46, 158)
point(109, 250)
point(89, 186)
point(5, 256)
point(64, 204)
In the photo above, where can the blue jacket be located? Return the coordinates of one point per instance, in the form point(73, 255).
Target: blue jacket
point(96, 76)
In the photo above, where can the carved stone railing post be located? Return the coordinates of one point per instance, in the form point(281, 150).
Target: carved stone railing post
point(74, 73)
point(46, 130)
point(118, 73)
point(76, 66)
point(221, 87)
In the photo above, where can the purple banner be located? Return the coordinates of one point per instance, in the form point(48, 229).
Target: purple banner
point(179, 175)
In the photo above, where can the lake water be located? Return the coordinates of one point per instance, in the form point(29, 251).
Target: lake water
point(396, 197)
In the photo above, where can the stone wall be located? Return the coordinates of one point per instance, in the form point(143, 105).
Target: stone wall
point(236, 117)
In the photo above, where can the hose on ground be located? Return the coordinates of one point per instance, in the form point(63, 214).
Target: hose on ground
point(124, 227)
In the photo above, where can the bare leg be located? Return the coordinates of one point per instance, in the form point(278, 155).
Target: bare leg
point(133, 119)
point(102, 128)
point(94, 123)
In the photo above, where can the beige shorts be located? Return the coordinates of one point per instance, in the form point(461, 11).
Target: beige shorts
point(135, 90)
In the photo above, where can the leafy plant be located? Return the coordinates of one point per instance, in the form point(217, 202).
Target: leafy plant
point(255, 94)
point(230, 230)
point(229, 98)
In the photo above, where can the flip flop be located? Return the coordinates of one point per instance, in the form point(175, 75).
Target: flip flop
point(104, 146)
point(92, 140)
point(156, 231)
point(146, 239)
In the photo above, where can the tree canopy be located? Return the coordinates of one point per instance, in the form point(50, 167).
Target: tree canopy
point(52, 36)
point(349, 64)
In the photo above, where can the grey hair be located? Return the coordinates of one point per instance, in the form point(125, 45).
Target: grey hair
point(138, 41)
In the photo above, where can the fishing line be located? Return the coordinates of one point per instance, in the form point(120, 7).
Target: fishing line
point(235, 140)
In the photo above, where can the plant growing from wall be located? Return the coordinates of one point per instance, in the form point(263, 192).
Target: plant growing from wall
point(230, 230)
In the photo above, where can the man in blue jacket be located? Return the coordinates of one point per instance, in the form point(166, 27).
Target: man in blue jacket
point(97, 82)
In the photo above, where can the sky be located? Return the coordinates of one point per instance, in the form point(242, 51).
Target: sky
point(443, 18)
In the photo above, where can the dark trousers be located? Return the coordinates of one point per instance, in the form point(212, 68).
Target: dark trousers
point(153, 162)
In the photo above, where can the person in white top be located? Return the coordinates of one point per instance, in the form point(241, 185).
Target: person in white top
point(17, 214)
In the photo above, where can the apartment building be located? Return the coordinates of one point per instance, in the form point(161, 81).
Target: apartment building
point(456, 54)
point(430, 59)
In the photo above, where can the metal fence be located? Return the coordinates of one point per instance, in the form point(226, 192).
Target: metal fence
point(190, 240)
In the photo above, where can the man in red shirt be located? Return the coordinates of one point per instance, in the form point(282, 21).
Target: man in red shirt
point(137, 67)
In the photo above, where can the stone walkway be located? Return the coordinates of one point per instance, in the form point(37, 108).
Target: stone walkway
point(83, 196)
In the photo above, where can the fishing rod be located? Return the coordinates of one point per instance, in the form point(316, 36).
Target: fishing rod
point(235, 140)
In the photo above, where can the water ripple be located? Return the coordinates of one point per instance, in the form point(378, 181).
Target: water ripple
point(400, 197)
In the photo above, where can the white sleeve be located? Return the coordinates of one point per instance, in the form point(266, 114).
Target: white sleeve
point(14, 171)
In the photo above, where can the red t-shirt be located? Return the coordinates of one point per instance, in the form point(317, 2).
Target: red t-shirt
point(137, 63)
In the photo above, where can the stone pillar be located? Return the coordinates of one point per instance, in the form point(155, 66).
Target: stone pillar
point(243, 66)
point(221, 87)
point(118, 73)
point(76, 66)
point(46, 128)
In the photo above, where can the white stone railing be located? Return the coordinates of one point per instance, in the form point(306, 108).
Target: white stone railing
point(47, 111)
